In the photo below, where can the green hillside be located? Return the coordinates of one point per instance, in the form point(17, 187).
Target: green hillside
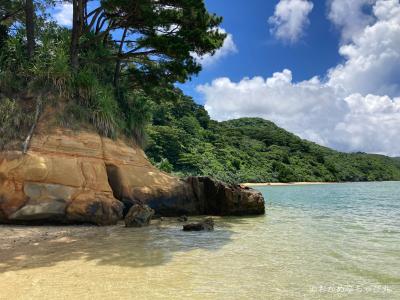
point(183, 139)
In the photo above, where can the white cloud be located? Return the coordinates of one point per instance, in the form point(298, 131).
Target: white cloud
point(357, 106)
point(228, 47)
point(63, 14)
point(350, 16)
point(290, 19)
point(373, 58)
point(372, 125)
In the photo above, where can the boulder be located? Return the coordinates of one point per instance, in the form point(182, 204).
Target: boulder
point(207, 224)
point(139, 216)
point(94, 207)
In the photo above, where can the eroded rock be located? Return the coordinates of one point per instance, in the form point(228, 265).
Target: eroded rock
point(80, 177)
point(223, 199)
point(206, 196)
point(139, 216)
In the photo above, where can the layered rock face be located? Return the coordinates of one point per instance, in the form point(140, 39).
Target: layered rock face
point(84, 178)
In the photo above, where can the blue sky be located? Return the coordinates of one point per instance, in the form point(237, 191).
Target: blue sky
point(326, 70)
point(259, 53)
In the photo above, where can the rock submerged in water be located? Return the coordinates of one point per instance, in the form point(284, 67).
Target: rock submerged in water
point(80, 177)
point(139, 216)
point(207, 224)
point(182, 219)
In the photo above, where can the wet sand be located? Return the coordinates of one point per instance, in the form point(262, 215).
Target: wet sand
point(16, 236)
point(21, 236)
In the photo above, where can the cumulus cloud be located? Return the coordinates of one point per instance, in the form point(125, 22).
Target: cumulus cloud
point(63, 14)
point(228, 47)
point(290, 19)
point(373, 57)
point(350, 16)
point(355, 108)
point(372, 125)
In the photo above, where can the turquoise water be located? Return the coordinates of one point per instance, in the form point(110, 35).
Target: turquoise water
point(339, 241)
point(349, 234)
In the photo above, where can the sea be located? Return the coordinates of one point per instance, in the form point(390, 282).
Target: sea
point(334, 241)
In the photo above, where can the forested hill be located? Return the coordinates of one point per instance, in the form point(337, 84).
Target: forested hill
point(183, 139)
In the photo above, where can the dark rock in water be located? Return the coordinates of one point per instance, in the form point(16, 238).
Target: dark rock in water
point(207, 224)
point(183, 219)
point(193, 227)
point(139, 216)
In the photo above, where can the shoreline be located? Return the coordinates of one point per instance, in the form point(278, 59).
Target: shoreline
point(286, 183)
point(248, 184)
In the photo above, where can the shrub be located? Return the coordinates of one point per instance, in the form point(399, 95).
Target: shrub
point(14, 122)
point(105, 112)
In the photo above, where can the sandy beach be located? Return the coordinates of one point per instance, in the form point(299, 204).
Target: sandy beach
point(20, 236)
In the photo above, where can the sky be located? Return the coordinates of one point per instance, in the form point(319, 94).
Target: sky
point(326, 70)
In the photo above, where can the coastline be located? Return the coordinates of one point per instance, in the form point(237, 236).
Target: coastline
point(285, 183)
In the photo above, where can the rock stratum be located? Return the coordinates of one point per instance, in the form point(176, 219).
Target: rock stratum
point(81, 177)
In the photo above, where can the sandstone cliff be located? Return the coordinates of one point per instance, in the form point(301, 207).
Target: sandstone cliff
point(79, 177)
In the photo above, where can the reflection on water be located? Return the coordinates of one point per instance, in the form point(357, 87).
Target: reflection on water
point(316, 242)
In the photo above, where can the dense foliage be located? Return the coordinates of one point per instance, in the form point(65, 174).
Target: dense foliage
point(105, 70)
point(185, 140)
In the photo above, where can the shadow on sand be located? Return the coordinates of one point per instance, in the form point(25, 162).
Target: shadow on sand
point(116, 245)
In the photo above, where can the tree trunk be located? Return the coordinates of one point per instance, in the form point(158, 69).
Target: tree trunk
point(118, 64)
point(30, 27)
point(77, 27)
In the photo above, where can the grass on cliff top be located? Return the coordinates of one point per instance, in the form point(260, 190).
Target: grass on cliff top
point(15, 121)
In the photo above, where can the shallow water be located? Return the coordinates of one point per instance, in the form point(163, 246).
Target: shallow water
point(339, 241)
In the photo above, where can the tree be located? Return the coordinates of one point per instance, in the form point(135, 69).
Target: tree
point(30, 27)
point(108, 69)
point(152, 39)
point(23, 11)
point(78, 7)
point(10, 11)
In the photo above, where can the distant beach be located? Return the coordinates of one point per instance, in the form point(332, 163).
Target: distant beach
point(284, 183)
